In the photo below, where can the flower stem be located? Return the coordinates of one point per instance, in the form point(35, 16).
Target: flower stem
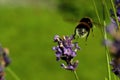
point(106, 51)
point(107, 9)
point(96, 11)
point(104, 36)
point(115, 78)
point(106, 78)
point(114, 10)
point(108, 65)
point(76, 76)
point(107, 54)
point(98, 17)
point(13, 74)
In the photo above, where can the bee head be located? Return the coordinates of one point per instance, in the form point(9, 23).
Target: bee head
point(82, 30)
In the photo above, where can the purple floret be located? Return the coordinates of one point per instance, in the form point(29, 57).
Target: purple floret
point(114, 48)
point(117, 2)
point(71, 67)
point(56, 38)
point(115, 67)
point(6, 59)
point(112, 27)
point(1, 73)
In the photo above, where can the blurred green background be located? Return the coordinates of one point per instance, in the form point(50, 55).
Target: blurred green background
point(27, 28)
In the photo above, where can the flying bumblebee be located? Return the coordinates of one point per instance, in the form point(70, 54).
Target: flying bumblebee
point(83, 28)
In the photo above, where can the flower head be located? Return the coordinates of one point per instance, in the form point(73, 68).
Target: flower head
point(114, 49)
point(66, 51)
point(4, 55)
point(72, 66)
point(117, 6)
point(1, 73)
point(4, 61)
point(112, 27)
point(115, 63)
point(117, 2)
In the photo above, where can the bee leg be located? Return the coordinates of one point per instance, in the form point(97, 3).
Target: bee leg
point(87, 35)
point(74, 33)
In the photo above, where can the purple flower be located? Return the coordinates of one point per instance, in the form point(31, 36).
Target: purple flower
point(66, 51)
point(71, 67)
point(4, 53)
point(107, 43)
point(1, 73)
point(114, 49)
point(56, 38)
point(112, 27)
point(117, 2)
point(118, 11)
point(115, 66)
point(116, 43)
point(6, 59)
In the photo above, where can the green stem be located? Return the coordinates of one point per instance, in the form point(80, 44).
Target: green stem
point(107, 10)
point(108, 65)
point(115, 78)
point(105, 35)
point(114, 10)
point(106, 78)
point(97, 14)
point(107, 52)
point(13, 74)
point(96, 11)
point(76, 76)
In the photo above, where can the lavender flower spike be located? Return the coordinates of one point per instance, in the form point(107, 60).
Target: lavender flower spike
point(1, 73)
point(116, 66)
point(117, 2)
point(112, 27)
point(66, 51)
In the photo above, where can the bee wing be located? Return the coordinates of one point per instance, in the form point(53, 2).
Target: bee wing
point(95, 24)
point(72, 20)
point(100, 26)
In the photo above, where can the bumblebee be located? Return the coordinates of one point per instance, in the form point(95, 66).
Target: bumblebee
point(83, 28)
